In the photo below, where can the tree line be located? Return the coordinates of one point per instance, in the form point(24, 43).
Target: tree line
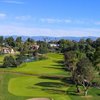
point(24, 49)
point(82, 59)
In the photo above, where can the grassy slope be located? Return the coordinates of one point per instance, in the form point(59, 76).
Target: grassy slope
point(4, 94)
point(44, 67)
point(51, 66)
point(38, 87)
point(41, 87)
point(1, 58)
point(45, 87)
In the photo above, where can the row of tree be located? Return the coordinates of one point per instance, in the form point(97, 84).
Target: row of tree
point(82, 59)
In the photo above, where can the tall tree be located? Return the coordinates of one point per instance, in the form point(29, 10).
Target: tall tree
point(19, 43)
point(89, 41)
point(18, 39)
point(43, 47)
point(9, 61)
point(83, 75)
point(96, 59)
point(10, 41)
point(1, 40)
point(70, 60)
point(97, 42)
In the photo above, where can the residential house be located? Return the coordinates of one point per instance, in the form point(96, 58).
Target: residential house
point(7, 50)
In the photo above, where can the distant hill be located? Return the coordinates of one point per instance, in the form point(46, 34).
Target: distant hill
point(48, 38)
point(58, 38)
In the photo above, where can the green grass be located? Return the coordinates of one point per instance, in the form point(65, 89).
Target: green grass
point(20, 86)
point(38, 87)
point(4, 93)
point(50, 66)
point(48, 87)
point(1, 58)
point(3, 55)
point(93, 94)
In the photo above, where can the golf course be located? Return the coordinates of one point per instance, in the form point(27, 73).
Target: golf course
point(49, 49)
point(41, 79)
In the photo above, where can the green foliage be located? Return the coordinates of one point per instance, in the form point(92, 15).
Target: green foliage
point(9, 61)
point(97, 59)
point(18, 43)
point(43, 47)
point(65, 44)
point(10, 41)
point(18, 39)
point(1, 40)
point(97, 43)
point(70, 60)
point(84, 69)
point(83, 74)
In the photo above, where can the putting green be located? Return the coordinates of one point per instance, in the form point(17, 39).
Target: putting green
point(38, 87)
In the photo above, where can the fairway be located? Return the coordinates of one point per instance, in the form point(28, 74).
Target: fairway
point(42, 80)
point(49, 50)
point(50, 66)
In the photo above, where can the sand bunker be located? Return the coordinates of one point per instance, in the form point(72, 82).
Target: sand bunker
point(39, 99)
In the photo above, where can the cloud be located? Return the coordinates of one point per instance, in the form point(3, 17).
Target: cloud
point(12, 2)
point(16, 30)
point(97, 23)
point(69, 21)
point(2, 15)
point(51, 20)
point(28, 17)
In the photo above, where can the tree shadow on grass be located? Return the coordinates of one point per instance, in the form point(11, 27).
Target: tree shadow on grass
point(59, 65)
point(98, 94)
point(49, 77)
point(65, 80)
point(50, 84)
point(48, 89)
point(74, 93)
point(54, 91)
point(58, 61)
point(56, 67)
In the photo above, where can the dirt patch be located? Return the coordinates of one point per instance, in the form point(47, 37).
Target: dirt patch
point(89, 96)
point(39, 99)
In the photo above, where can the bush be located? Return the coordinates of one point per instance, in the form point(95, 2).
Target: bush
point(9, 61)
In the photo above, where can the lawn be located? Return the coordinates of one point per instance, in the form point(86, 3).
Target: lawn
point(50, 66)
point(55, 88)
point(38, 87)
point(22, 86)
point(1, 58)
point(4, 93)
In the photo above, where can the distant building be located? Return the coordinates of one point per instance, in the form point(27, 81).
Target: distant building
point(53, 45)
point(34, 47)
point(7, 50)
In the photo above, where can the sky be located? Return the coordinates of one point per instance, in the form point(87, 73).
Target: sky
point(50, 17)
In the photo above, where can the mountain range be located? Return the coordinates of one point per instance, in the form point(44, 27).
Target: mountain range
point(48, 38)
